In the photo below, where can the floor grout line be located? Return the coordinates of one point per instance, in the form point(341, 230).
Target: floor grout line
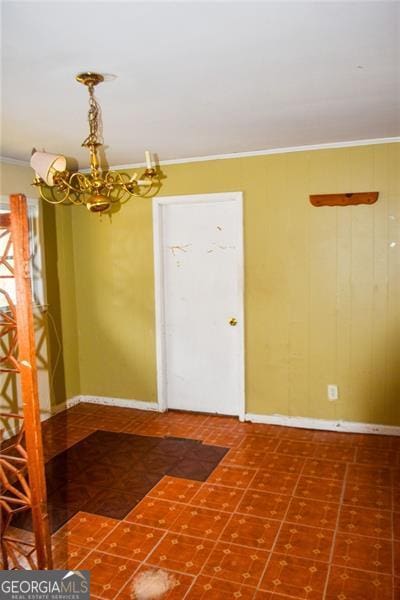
point(141, 563)
point(341, 503)
point(274, 543)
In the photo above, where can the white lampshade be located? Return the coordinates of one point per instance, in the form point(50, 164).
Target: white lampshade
point(45, 165)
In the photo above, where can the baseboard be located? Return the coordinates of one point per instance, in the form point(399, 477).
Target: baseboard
point(284, 420)
point(55, 410)
point(106, 400)
point(72, 401)
point(309, 423)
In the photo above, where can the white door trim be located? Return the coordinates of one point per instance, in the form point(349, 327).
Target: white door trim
point(159, 288)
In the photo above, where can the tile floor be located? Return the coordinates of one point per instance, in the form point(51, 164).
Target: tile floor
point(122, 469)
point(286, 514)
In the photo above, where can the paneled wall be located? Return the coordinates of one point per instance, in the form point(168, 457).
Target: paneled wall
point(322, 287)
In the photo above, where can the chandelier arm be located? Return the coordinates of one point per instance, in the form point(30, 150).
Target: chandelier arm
point(84, 184)
point(61, 182)
point(145, 183)
point(141, 192)
point(49, 200)
point(135, 189)
point(153, 189)
point(116, 178)
point(83, 187)
point(148, 183)
point(112, 178)
point(133, 178)
point(142, 187)
point(149, 192)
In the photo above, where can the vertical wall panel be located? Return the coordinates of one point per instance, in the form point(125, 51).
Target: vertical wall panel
point(276, 306)
point(297, 254)
point(323, 273)
point(392, 363)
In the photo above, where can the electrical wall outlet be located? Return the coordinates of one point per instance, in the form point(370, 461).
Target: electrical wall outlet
point(333, 391)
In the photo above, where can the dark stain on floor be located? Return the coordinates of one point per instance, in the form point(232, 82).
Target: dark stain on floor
point(108, 473)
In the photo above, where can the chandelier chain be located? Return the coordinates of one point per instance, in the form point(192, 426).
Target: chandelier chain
point(93, 117)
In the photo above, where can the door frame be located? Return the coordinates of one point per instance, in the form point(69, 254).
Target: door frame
point(158, 203)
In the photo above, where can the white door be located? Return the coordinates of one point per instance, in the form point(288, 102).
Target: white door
point(199, 298)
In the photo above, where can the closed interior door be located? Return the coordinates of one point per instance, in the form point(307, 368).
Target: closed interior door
point(199, 283)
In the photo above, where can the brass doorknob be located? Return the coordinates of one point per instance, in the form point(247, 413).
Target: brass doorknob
point(233, 322)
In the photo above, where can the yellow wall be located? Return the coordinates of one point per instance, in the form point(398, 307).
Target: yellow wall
point(322, 293)
point(61, 301)
point(115, 300)
point(16, 179)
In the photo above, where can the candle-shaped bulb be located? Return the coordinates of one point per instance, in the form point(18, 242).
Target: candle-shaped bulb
point(147, 155)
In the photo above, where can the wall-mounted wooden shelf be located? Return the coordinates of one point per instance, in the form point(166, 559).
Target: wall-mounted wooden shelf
point(349, 199)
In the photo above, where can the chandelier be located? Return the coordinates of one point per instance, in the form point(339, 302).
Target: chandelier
point(100, 188)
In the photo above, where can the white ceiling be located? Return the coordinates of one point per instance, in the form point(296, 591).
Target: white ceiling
point(195, 79)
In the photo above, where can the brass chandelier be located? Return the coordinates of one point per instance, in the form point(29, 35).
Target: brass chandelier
point(99, 189)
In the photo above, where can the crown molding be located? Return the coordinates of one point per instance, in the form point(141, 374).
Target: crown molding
point(7, 160)
point(248, 154)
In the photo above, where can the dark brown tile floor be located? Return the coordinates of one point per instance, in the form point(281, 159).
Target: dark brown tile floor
point(108, 473)
point(286, 514)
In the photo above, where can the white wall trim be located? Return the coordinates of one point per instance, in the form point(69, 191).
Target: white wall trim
point(309, 423)
point(283, 420)
point(158, 202)
point(72, 402)
point(249, 153)
point(104, 400)
point(7, 160)
point(108, 401)
point(265, 152)
point(55, 410)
